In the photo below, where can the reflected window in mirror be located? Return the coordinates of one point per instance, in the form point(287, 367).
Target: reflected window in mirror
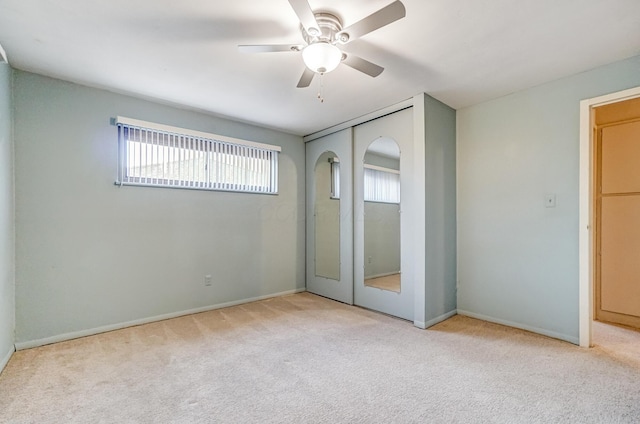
point(381, 184)
point(335, 178)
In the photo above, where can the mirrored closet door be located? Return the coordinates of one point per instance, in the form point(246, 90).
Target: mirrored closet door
point(329, 216)
point(383, 276)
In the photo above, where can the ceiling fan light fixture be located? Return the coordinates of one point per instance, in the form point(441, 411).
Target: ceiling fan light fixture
point(321, 57)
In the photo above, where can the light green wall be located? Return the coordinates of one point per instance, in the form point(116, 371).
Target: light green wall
point(7, 276)
point(517, 260)
point(90, 254)
point(440, 210)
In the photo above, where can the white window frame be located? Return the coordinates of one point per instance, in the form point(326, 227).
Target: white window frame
point(157, 155)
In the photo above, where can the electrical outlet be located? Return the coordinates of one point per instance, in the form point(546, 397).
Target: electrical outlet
point(207, 280)
point(549, 200)
point(369, 259)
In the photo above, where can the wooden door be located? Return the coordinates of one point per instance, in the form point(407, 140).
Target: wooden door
point(618, 213)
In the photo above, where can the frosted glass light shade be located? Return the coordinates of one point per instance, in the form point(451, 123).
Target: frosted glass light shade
point(321, 57)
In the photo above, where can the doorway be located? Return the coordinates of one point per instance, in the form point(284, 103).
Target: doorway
point(587, 237)
point(617, 212)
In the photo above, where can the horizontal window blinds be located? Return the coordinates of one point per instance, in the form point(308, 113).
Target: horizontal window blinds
point(381, 185)
point(165, 158)
point(335, 179)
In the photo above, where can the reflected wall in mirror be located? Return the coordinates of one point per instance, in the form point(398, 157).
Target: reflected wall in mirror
point(327, 216)
point(382, 215)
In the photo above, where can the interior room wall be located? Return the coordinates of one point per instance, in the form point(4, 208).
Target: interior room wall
point(7, 245)
point(440, 210)
point(92, 256)
point(517, 259)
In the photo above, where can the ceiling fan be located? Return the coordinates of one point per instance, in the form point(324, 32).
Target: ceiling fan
point(323, 33)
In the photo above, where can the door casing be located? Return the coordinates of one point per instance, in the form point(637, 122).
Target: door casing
point(586, 236)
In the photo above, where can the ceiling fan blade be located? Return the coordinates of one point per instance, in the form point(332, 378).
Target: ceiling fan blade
point(267, 48)
point(306, 16)
point(362, 65)
point(306, 78)
point(382, 17)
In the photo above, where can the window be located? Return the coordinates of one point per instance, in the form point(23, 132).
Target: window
point(162, 156)
point(335, 178)
point(380, 184)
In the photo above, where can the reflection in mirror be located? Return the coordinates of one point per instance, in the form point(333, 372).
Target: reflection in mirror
point(327, 216)
point(382, 215)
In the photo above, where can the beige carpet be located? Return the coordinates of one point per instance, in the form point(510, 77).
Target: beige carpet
point(621, 343)
point(306, 359)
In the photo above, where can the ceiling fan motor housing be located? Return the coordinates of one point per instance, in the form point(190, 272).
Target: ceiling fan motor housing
point(330, 25)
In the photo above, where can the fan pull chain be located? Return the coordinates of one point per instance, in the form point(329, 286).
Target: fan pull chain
point(320, 96)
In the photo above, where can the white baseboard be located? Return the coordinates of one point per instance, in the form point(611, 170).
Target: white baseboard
point(5, 359)
point(92, 331)
point(441, 318)
point(420, 324)
point(424, 325)
point(544, 332)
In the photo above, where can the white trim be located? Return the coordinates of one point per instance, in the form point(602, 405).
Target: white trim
point(417, 208)
point(420, 324)
point(360, 120)
point(438, 320)
point(542, 331)
point(584, 224)
point(5, 360)
point(93, 331)
point(194, 133)
point(585, 242)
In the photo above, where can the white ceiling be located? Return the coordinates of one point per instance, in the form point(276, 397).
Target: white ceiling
point(461, 52)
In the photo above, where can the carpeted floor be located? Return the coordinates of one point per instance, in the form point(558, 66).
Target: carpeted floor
point(306, 359)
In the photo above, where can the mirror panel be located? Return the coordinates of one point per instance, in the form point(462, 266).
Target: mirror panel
point(327, 216)
point(382, 215)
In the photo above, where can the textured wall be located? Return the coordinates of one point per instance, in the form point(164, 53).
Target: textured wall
point(90, 254)
point(517, 259)
point(440, 209)
point(7, 279)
